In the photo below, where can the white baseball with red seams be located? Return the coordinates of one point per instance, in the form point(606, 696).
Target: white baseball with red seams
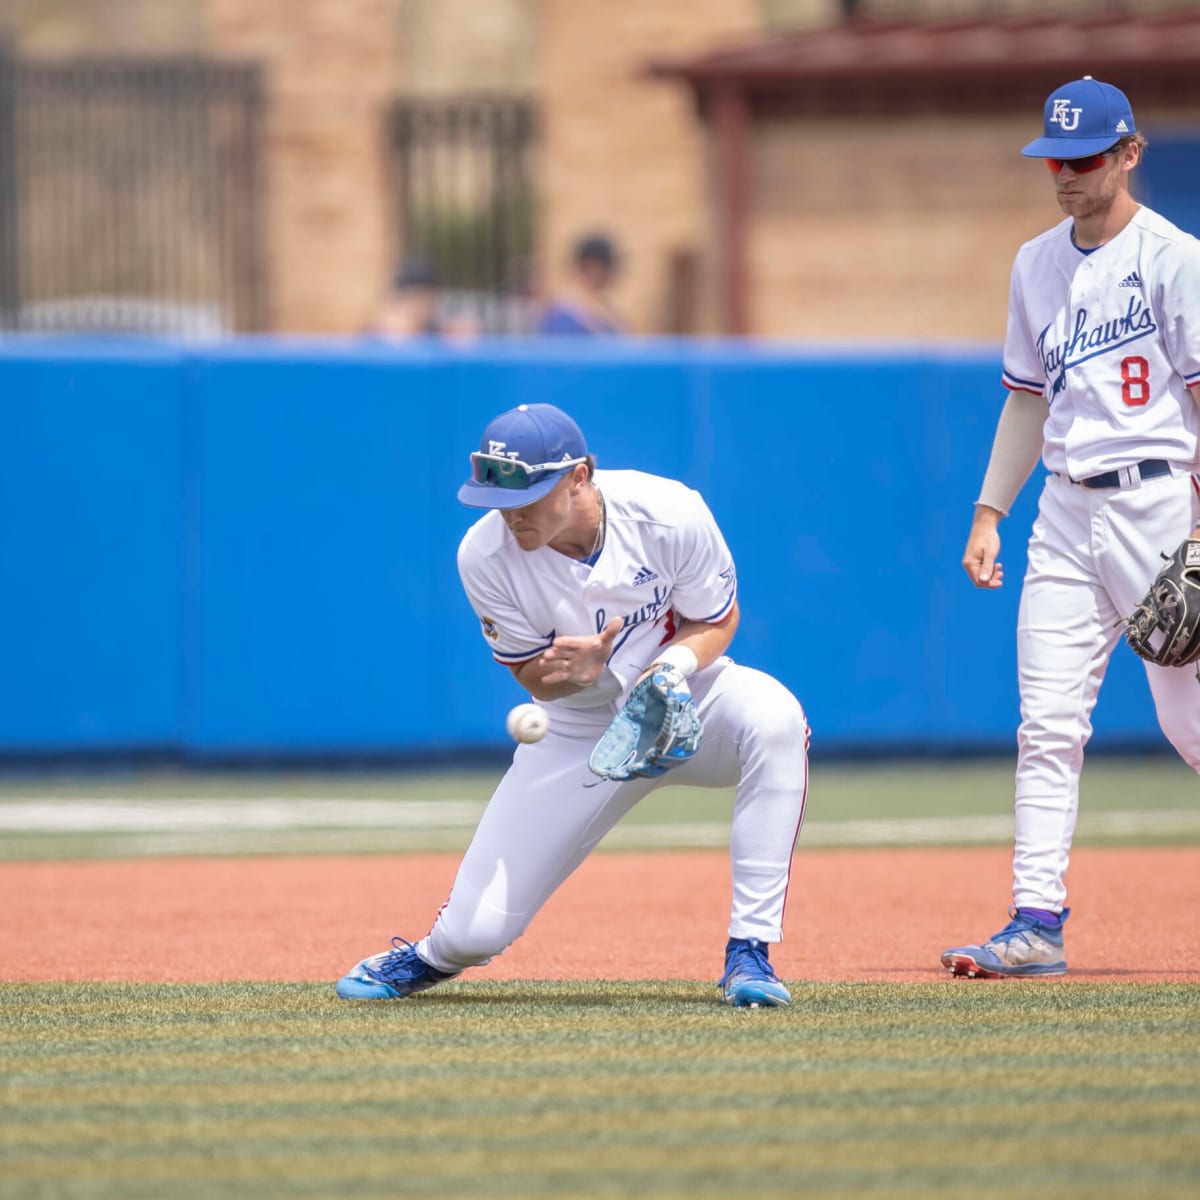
point(527, 723)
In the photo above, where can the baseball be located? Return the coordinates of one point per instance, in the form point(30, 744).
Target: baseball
point(528, 723)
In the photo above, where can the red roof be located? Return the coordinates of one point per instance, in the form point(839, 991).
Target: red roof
point(1156, 54)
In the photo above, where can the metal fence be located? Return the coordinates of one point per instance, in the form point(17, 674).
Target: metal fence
point(462, 178)
point(131, 196)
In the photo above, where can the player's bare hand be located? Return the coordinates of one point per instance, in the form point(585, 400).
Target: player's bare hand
point(980, 559)
point(579, 660)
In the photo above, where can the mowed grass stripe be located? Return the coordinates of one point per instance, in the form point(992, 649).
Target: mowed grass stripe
point(460, 1039)
point(741, 1177)
point(586, 1091)
point(95, 1029)
point(152, 1128)
point(520, 1057)
point(525, 1004)
point(717, 1163)
point(708, 1141)
point(592, 1089)
point(202, 1066)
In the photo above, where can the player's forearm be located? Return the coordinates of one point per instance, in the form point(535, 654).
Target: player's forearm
point(531, 676)
point(707, 640)
point(1015, 450)
point(986, 517)
point(575, 663)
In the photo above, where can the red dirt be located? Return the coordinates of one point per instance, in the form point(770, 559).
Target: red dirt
point(852, 915)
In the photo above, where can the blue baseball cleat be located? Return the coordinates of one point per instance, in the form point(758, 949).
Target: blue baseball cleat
point(1024, 947)
point(392, 975)
point(749, 980)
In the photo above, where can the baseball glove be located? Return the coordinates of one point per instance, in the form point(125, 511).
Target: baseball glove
point(657, 728)
point(1165, 627)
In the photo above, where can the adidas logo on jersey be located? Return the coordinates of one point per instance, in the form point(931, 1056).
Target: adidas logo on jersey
point(644, 575)
point(1133, 279)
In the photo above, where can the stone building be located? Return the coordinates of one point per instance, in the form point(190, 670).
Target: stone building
point(764, 170)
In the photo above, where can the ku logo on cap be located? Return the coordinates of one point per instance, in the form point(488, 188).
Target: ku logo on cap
point(500, 450)
point(1064, 116)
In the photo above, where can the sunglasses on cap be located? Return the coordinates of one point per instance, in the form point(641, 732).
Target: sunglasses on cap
point(1081, 166)
point(512, 472)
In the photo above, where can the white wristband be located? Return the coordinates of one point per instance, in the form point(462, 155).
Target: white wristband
point(681, 658)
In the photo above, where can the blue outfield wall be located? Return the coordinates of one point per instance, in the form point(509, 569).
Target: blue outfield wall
point(247, 550)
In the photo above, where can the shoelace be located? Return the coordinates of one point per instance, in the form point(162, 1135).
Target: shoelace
point(1019, 926)
point(393, 965)
point(749, 960)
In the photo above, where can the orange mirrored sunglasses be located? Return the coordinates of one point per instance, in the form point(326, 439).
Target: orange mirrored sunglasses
point(1081, 166)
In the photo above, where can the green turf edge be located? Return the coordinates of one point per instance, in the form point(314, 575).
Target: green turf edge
point(599, 1088)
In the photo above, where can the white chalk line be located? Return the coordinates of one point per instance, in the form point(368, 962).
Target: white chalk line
point(916, 831)
point(261, 814)
point(180, 822)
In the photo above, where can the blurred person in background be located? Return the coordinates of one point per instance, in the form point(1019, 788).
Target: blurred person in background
point(414, 306)
point(583, 306)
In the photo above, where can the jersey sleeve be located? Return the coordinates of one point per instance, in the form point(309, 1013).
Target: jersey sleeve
point(1023, 367)
point(1179, 305)
point(705, 580)
point(508, 633)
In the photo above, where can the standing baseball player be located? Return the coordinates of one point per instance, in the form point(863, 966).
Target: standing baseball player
point(611, 597)
point(1102, 363)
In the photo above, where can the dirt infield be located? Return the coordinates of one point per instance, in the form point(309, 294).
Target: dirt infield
point(875, 915)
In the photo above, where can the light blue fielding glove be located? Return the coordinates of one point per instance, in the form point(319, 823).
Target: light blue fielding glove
point(657, 728)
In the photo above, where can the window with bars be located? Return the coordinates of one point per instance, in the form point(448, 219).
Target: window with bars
point(131, 196)
point(463, 182)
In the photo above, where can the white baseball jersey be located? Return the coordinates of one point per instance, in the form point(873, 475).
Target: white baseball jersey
point(1111, 338)
point(663, 559)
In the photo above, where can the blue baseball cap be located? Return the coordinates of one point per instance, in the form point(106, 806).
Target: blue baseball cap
point(522, 455)
point(1081, 119)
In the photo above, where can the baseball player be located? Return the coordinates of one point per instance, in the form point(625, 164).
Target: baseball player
point(1102, 363)
point(595, 588)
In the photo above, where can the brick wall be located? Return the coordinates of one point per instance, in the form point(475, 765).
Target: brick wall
point(331, 68)
point(452, 46)
point(895, 229)
point(860, 228)
point(890, 229)
point(623, 152)
point(62, 27)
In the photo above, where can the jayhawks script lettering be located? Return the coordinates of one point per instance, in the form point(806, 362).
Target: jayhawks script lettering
point(1087, 341)
point(639, 616)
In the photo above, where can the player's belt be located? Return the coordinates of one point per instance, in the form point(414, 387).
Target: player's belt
point(1150, 468)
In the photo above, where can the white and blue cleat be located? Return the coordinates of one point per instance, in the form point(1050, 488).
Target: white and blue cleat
point(750, 980)
point(392, 975)
point(1023, 949)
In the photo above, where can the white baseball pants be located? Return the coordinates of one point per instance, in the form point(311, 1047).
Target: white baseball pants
point(1092, 556)
point(549, 812)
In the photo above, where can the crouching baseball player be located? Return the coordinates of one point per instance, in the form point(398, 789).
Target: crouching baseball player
point(611, 597)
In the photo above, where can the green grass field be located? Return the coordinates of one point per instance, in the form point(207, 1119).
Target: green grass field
point(601, 1089)
point(604, 1089)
